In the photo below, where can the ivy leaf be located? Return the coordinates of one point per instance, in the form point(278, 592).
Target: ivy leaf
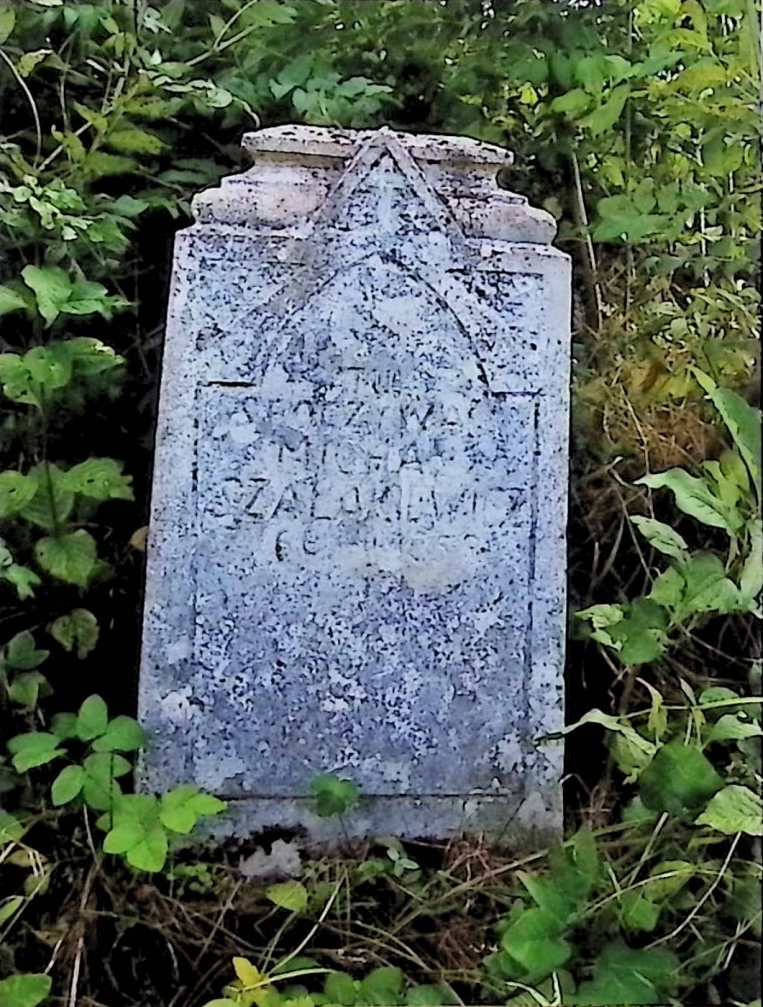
point(52, 503)
point(181, 807)
point(77, 629)
point(10, 298)
point(123, 734)
point(100, 479)
point(71, 557)
point(144, 846)
point(22, 578)
point(27, 990)
point(91, 356)
point(92, 719)
point(52, 289)
point(638, 912)
point(534, 940)
point(680, 780)
point(694, 497)
point(662, 537)
point(27, 687)
point(67, 785)
point(624, 975)
point(22, 654)
point(606, 115)
point(339, 988)
point(734, 809)
point(381, 986)
point(334, 796)
point(36, 748)
point(290, 895)
point(16, 493)
point(730, 727)
point(100, 789)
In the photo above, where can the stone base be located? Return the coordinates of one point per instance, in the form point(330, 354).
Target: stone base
point(510, 820)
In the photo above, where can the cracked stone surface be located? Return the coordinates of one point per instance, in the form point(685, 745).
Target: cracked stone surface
point(357, 542)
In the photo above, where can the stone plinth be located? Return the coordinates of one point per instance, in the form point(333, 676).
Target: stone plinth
point(357, 542)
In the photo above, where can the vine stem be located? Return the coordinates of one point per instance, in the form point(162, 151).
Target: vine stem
point(30, 98)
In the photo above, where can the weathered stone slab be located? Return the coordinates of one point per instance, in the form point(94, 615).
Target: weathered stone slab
point(357, 556)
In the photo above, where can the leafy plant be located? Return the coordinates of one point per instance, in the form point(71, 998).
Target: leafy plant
point(334, 795)
point(724, 495)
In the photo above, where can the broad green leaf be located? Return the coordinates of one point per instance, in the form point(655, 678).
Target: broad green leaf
point(100, 789)
point(382, 987)
point(11, 299)
point(7, 23)
point(123, 837)
point(67, 785)
point(730, 727)
point(679, 780)
point(36, 748)
point(334, 796)
point(340, 988)
point(707, 587)
point(638, 912)
point(546, 894)
point(92, 719)
point(150, 853)
point(718, 694)
point(606, 115)
point(27, 687)
point(662, 537)
point(668, 589)
point(11, 829)
point(742, 421)
point(91, 356)
point(8, 908)
point(427, 996)
point(100, 479)
point(751, 578)
point(572, 103)
point(71, 557)
point(16, 493)
point(291, 895)
point(25, 990)
point(22, 578)
point(22, 653)
point(247, 974)
point(734, 809)
point(135, 141)
point(624, 975)
point(534, 941)
point(668, 877)
point(52, 503)
point(694, 497)
point(50, 367)
point(52, 289)
point(77, 629)
point(64, 725)
point(123, 734)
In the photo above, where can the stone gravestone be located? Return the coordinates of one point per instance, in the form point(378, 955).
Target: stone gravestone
point(357, 542)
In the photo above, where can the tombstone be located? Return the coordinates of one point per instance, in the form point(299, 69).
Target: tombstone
point(357, 542)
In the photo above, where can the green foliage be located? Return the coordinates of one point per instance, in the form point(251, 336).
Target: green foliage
point(334, 795)
point(382, 987)
point(24, 990)
point(702, 584)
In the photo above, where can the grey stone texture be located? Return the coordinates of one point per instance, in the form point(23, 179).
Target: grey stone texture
point(357, 542)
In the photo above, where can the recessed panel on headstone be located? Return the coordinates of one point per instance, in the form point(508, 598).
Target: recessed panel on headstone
point(356, 559)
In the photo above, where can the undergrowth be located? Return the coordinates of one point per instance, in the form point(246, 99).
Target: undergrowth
point(636, 124)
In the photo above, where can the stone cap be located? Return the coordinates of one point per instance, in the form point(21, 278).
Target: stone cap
point(321, 141)
point(296, 171)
